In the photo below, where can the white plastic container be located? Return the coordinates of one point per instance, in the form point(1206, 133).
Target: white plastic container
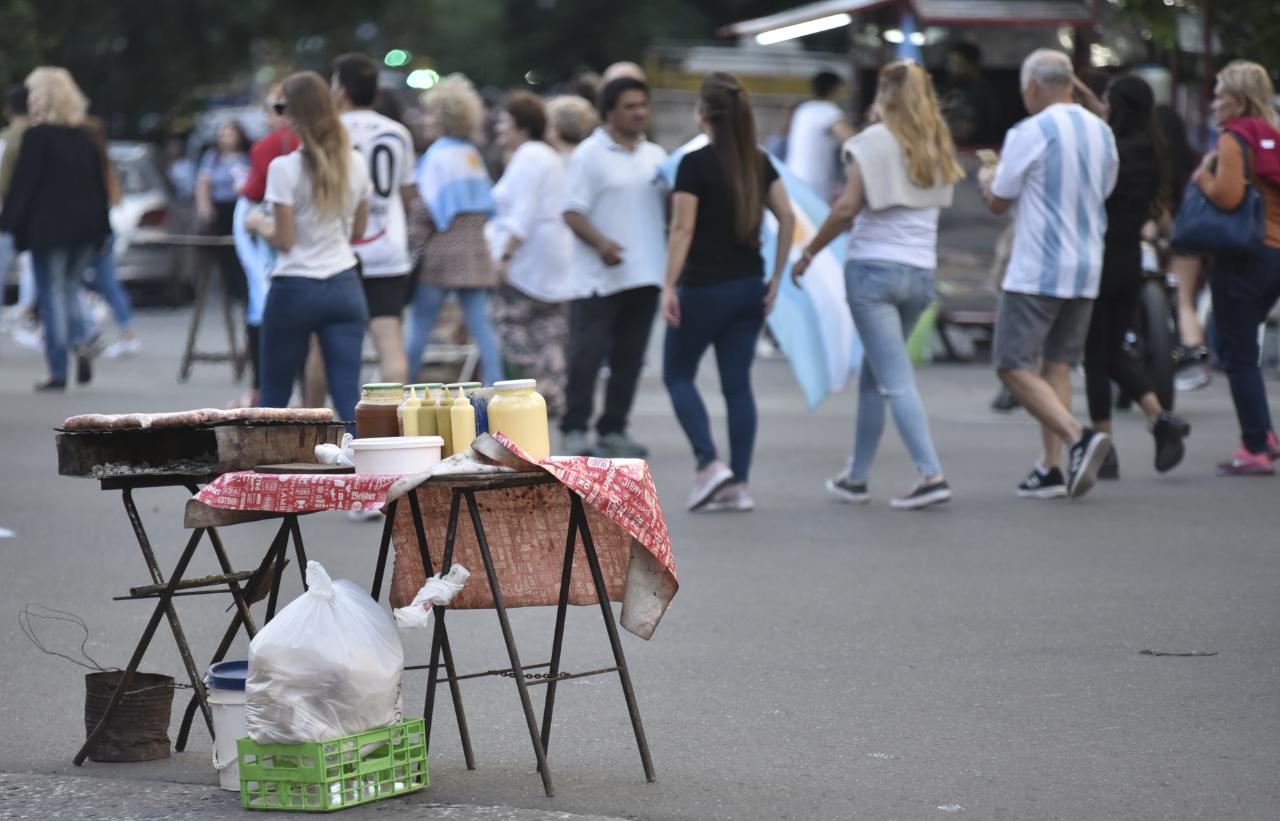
point(396, 454)
point(225, 691)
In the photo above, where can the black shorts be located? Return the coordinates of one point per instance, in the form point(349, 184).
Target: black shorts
point(387, 296)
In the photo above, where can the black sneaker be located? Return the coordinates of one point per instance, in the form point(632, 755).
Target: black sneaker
point(1110, 466)
point(1169, 431)
point(1186, 357)
point(1087, 456)
point(924, 496)
point(1048, 484)
point(51, 386)
point(848, 491)
point(1005, 401)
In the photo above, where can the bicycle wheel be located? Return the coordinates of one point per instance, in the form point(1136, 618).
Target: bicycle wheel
point(1155, 328)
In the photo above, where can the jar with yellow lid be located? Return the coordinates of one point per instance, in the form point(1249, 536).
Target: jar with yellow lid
point(376, 412)
point(519, 412)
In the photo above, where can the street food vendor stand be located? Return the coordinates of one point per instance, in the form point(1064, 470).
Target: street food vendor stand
point(615, 547)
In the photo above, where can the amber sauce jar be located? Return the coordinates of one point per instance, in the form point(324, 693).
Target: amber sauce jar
point(376, 410)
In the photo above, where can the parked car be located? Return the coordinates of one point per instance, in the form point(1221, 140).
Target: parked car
point(146, 215)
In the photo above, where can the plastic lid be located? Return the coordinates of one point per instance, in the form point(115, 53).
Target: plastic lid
point(397, 442)
point(466, 386)
point(515, 385)
point(418, 385)
point(383, 386)
point(435, 384)
point(227, 675)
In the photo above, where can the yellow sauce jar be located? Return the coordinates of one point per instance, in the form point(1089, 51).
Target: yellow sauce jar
point(518, 411)
point(408, 413)
point(462, 419)
point(444, 423)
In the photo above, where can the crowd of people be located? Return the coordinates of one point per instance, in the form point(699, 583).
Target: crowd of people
point(561, 265)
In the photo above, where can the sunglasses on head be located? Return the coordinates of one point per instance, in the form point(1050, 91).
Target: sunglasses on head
point(278, 108)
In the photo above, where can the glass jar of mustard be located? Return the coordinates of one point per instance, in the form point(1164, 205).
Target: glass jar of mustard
point(519, 412)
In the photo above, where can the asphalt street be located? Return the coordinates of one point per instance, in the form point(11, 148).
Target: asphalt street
point(821, 661)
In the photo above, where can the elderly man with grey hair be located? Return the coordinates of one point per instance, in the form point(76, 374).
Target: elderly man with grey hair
point(1057, 169)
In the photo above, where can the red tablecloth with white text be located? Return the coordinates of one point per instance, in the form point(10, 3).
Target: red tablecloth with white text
point(525, 527)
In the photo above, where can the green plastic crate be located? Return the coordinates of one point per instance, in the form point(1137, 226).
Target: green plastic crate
point(324, 776)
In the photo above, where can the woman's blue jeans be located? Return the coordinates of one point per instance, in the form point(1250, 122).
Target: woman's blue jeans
point(1244, 288)
point(59, 273)
point(108, 284)
point(333, 309)
point(427, 302)
point(886, 299)
point(727, 317)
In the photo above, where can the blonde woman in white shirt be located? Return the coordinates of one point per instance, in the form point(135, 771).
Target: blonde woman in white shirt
point(901, 173)
point(532, 249)
point(319, 198)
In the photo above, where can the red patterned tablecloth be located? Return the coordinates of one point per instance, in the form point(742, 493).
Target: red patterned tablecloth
point(297, 492)
point(525, 526)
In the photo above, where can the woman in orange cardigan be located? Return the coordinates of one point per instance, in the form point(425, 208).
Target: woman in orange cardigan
point(1245, 285)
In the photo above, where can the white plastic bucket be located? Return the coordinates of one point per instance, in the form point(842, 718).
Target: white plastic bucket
point(396, 454)
point(226, 702)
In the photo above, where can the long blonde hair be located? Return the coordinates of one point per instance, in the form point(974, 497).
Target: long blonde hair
point(54, 98)
point(909, 109)
point(1250, 83)
point(326, 148)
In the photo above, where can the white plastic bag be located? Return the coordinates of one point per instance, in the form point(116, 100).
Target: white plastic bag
point(437, 590)
point(328, 665)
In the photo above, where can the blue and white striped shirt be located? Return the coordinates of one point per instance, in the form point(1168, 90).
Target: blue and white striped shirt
point(1059, 167)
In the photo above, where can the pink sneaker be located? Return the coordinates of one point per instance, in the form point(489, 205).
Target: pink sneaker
point(1244, 463)
point(1273, 446)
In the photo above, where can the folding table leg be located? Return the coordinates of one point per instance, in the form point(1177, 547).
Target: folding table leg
point(179, 637)
point(258, 579)
point(281, 547)
point(384, 547)
point(566, 575)
point(620, 660)
point(126, 679)
point(440, 634)
point(298, 549)
point(241, 600)
point(516, 669)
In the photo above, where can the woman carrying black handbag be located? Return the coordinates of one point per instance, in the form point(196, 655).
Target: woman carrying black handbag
point(1245, 284)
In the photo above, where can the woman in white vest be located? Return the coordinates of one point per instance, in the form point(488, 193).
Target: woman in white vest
point(902, 171)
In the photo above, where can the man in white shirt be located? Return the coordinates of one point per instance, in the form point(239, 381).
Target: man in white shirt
point(385, 262)
point(615, 206)
point(1058, 166)
point(818, 129)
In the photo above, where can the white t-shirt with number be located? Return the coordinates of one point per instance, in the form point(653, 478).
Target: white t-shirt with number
point(387, 150)
point(321, 248)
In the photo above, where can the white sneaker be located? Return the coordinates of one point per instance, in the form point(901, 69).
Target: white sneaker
point(1193, 378)
point(733, 498)
point(123, 347)
point(707, 481)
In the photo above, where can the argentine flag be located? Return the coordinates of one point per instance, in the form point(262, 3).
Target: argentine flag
point(811, 324)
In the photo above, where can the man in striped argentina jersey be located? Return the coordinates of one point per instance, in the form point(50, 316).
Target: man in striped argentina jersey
point(1057, 169)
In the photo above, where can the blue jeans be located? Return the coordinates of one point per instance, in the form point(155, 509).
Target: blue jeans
point(334, 310)
point(106, 283)
point(886, 299)
point(427, 301)
point(59, 273)
point(729, 317)
point(8, 255)
point(1244, 288)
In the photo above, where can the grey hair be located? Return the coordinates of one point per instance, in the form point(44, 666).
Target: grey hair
point(1048, 67)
